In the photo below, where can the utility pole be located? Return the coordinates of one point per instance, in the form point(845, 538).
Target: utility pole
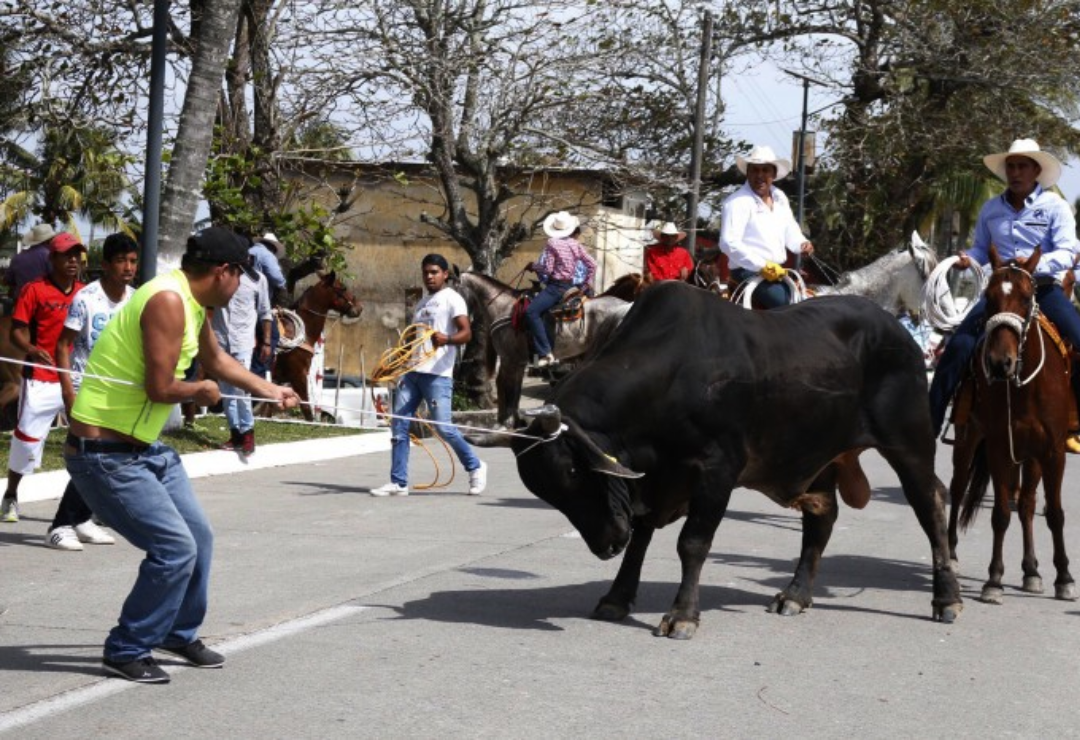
point(155, 117)
point(699, 132)
point(800, 165)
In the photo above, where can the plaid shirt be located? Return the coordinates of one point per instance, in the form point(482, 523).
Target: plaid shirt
point(559, 262)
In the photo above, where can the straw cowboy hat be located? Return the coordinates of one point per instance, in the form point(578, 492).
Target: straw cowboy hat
point(669, 229)
point(560, 224)
point(1051, 167)
point(271, 241)
point(38, 234)
point(764, 155)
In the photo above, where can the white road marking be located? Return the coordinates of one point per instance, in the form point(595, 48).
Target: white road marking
point(106, 687)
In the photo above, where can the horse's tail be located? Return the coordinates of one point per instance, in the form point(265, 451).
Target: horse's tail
point(978, 482)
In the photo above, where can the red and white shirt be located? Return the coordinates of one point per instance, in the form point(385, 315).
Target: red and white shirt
point(43, 307)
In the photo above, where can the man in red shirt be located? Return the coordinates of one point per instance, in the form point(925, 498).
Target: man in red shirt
point(36, 325)
point(665, 260)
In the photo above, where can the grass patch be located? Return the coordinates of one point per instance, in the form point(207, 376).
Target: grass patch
point(208, 433)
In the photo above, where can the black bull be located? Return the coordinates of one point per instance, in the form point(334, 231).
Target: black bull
point(692, 397)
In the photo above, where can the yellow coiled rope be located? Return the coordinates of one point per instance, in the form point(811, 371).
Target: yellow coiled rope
point(413, 349)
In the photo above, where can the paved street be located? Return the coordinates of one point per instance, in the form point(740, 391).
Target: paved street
point(445, 615)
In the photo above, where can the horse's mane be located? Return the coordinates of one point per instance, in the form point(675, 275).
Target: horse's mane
point(491, 282)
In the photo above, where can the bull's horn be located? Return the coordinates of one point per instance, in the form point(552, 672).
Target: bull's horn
point(546, 420)
point(608, 465)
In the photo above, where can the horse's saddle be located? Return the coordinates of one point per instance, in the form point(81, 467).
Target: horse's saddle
point(571, 307)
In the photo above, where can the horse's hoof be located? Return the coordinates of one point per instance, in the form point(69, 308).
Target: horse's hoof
point(1032, 585)
point(1065, 592)
point(608, 612)
point(947, 614)
point(992, 595)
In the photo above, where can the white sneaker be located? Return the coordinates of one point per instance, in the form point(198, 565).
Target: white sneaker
point(546, 360)
point(92, 534)
point(478, 480)
point(9, 510)
point(63, 538)
point(390, 489)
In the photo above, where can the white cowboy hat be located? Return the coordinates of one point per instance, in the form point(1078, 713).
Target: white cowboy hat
point(273, 241)
point(1051, 167)
point(558, 225)
point(38, 234)
point(669, 229)
point(764, 155)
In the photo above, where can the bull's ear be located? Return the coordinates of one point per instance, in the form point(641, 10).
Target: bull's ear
point(600, 461)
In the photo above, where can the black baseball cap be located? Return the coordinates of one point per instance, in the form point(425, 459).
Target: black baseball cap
point(221, 246)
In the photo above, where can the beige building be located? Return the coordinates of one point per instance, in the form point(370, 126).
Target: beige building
point(387, 237)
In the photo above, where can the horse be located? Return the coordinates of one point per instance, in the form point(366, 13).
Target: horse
point(291, 366)
point(894, 281)
point(1012, 421)
point(10, 376)
point(510, 345)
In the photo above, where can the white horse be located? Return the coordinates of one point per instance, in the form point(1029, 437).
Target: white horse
point(894, 281)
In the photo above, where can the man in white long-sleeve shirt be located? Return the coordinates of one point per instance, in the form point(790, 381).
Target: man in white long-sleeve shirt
point(758, 228)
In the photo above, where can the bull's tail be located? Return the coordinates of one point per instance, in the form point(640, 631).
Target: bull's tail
point(978, 482)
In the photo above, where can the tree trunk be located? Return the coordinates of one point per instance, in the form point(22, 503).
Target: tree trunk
point(183, 184)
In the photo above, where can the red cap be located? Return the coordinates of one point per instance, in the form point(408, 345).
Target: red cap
point(64, 242)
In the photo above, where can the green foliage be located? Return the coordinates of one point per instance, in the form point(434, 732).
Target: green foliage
point(234, 188)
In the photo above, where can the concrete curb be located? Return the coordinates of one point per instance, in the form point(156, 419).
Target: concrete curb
point(50, 485)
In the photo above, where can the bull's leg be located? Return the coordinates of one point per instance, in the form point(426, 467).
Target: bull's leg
point(817, 527)
point(616, 604)
point(914, 465)
point(1033, 583)
point(1004, 485)
point(695, 540)
point(1064, 586)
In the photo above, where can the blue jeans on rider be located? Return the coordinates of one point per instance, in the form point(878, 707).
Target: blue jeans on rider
point(766, 294)
point(238, 412)
point(534, 315)
point(436, 391)
point(146, 496)
point(951, 367)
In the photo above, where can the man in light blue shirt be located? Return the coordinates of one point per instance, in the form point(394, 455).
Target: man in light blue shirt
point(235, 327)
point(1027, 215)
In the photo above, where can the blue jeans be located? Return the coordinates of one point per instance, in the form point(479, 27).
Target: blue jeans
point(436, 391)
point(146, 497)
point(534, 315)
point(238, 412)
point(766, 294)
point(954, 360)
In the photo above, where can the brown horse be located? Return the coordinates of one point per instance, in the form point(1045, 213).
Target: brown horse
point(1015, 429)
point(291, 367)
point(10, 374)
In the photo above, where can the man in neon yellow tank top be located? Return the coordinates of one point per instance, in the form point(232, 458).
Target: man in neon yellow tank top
point(132, 481)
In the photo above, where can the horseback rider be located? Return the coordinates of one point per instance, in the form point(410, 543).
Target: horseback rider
point(1026, 217)
point(666, 260)
point(758, 227)
point(564, 264)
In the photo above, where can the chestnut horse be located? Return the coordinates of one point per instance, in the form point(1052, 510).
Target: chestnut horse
point(1012, 427)
point(292, 366)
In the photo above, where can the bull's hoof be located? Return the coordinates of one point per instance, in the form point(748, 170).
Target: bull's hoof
point(1065, 591)
point(1032, 585)
point(947, 613)
point(676, 628)
point(992, 595)
point(607, 611)
point(786, 606)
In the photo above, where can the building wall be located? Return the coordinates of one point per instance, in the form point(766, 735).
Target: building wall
point(387, 241)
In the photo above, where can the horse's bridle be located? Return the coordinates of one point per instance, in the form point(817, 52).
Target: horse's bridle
point(1021, 325)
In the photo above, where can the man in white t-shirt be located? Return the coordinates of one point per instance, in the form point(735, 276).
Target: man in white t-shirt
point(444, 310)
point(91, 309)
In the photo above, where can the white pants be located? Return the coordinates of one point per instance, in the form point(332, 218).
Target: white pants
point(39, 404)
